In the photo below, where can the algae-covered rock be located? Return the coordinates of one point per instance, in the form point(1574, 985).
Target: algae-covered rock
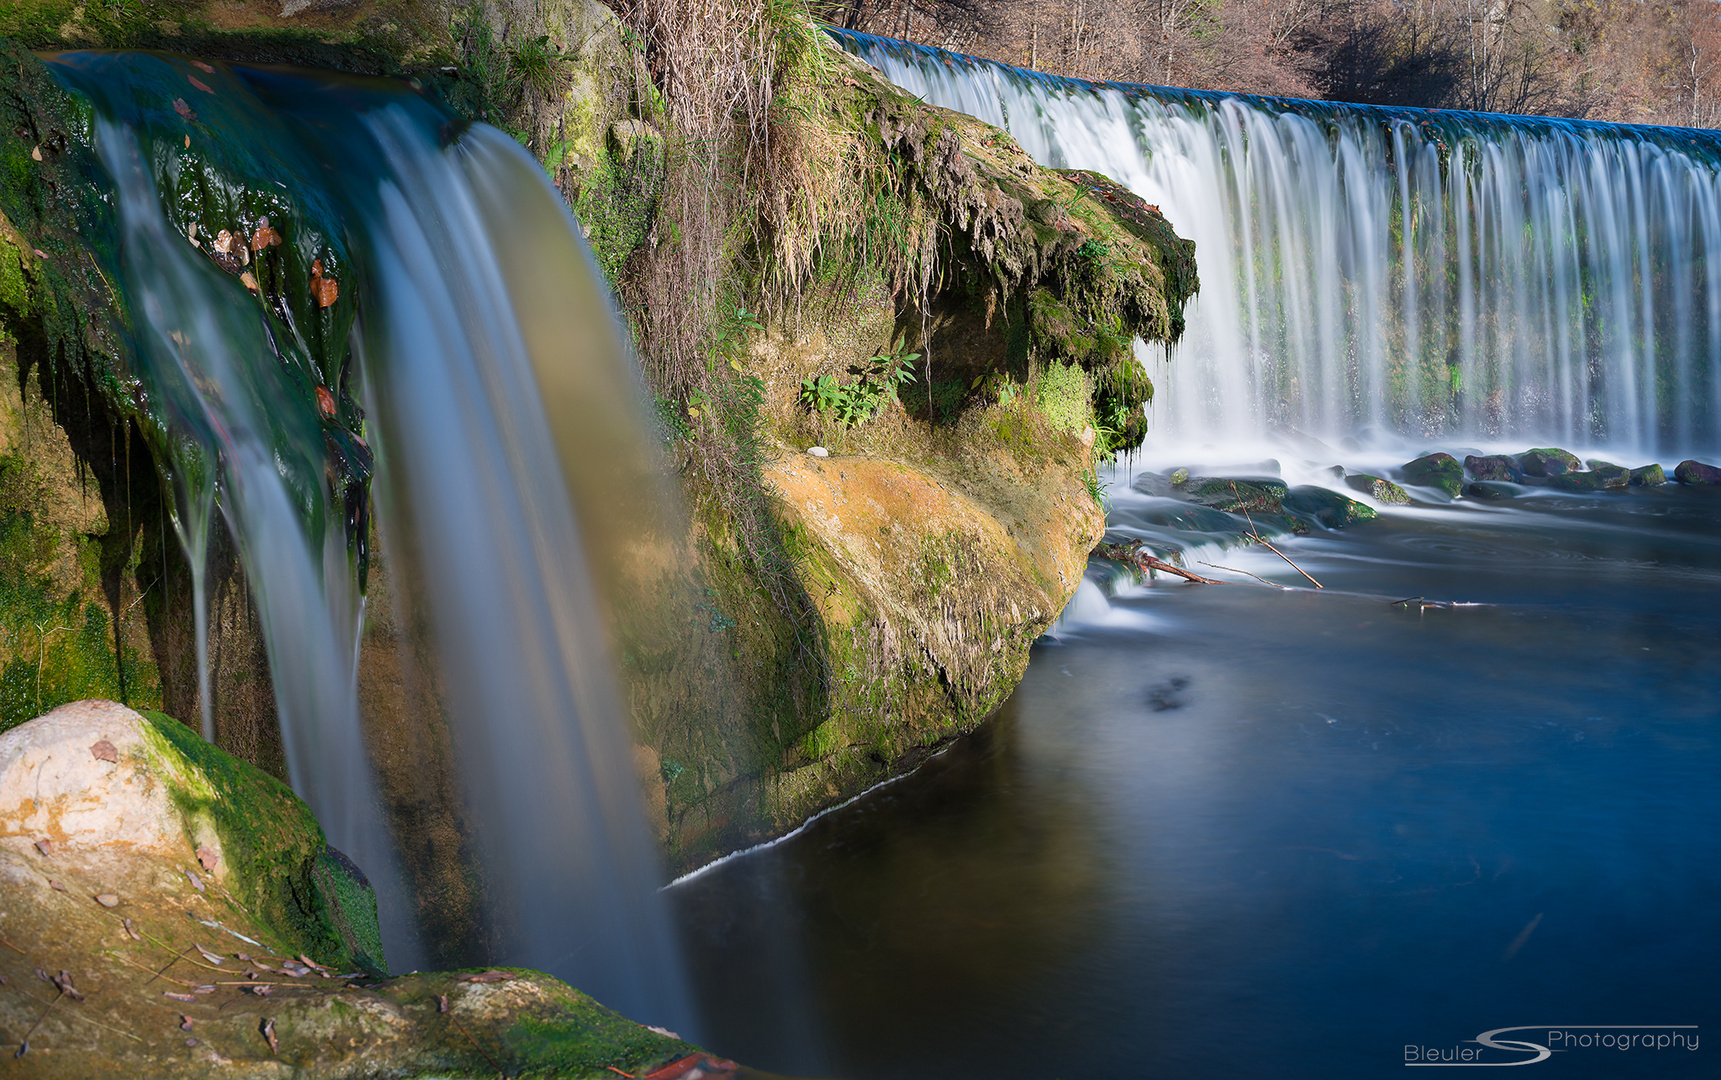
point(1496, 467)
point(1648, 476)
point(1697, 474)
point(1584, 482)
point(1436, 471)
point(1547, 461)
point(1256, 494)
point(176, 890)
point(1606, 474)
point(1378, 489)
point(1329, 508)
point(1489, 489)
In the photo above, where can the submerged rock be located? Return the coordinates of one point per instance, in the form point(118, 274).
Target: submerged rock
point(1257, 495)
point(111, 820)
point(1490, 489)
point(1648, 476)
point(1436, 471)
point(1496, 467)
point(1327, 508)
point(1383, 491)
point(1590, 481)
point(1697, 474)
point(1613, 476)
point(1547, 461)
point(1152, 483)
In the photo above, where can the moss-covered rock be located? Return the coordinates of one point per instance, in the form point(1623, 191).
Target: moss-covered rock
point(182, 894)
point(1255, 494)
point(1648, 476)
point(1697, 474)
point(1547, 461)
point(1326, 508)
point(1497, 467)
point(1437, 470)
point(1378, 489)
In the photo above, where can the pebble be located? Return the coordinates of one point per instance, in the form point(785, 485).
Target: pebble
point(107, 899)
point(818, 451)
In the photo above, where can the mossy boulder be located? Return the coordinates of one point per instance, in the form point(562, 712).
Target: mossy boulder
point(1697, 474)
point(1547, 461)
point(1327, 508)
point(1607, 474)
point(179, 892)
point(1255, 494)
point(1648, 476)
point(1495, 467)
point(1437, 470)
point(1378, 489)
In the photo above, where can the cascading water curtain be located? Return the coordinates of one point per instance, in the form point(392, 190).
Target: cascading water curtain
point(316, 264)
point(1412, 272)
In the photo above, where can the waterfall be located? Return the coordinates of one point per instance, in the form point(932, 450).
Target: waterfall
point(1411, 273)
point(323, 272)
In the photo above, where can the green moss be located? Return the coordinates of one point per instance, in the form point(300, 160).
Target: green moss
point(1064, 398)
point(575, 1036)
point(269, 838)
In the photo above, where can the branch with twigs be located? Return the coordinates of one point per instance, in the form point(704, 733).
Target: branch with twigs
point(1255, 535)
point(1130, 554)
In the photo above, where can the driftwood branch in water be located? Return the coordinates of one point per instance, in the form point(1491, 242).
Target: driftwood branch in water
point(1130, 554)
point(1255, 535)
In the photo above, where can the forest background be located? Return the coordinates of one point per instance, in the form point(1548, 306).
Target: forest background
point(1630, 61)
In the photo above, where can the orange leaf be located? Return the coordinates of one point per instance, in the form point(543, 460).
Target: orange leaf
point(249, 282)
point(201, 66)
point(264, 237)
point(325, 400)
point(184, 110)
point(195, 81)
point(325, 290)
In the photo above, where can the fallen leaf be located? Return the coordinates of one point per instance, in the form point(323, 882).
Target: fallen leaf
point(132, 931)
point(325, 401)
point(36, 152)
point(201, 66)
point(56, 886)
point(268, 1030)
point(316, 268)
point(206, 988)
point(442, 1003)
point(325, 290)
point(264, 236)
point(207, 955)
point(250, 282)
point(208, 858)
point(105, 751)
point(223, 242)
point(64, 981)
point(45, 846)
point(191, 1042)
point(188, 142)
point(242, 956)
point(195, 81)
point(196, 882)
point(184, 1022)
point(177, 996)
point(184, 110)
point(670, 1070)
point(262, 989)
point(40, 254)
point(107, 899)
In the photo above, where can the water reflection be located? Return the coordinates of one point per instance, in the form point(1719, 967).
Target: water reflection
point(1282, 833)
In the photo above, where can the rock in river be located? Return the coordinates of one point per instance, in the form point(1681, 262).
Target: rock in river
point(1696, 473)
point(1327, 508)
point(1257, 494)
point(1497, 467)
point(1381, 491)
point(1547, 461)
point(1648, 476)
point(1436, 471)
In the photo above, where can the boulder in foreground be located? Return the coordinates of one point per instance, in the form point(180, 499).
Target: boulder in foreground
point(169, 911)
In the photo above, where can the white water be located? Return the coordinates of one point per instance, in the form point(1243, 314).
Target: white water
point(1551, 287)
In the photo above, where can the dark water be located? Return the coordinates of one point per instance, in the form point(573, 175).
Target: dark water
point(1242, 832)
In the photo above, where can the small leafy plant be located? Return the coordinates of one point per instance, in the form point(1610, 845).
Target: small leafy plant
point(876, 384)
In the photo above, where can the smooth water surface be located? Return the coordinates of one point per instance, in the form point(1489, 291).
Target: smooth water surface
point(1235, 831)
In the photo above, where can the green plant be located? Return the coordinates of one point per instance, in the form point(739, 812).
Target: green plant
point(877, 383)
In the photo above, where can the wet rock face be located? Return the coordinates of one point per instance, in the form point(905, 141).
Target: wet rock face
point(1547, 461)
point(1590, 481)
point(1383, 491)
point(1697, 474)
point(1436, 471)
point(1498, 467)
point(1489, 489)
